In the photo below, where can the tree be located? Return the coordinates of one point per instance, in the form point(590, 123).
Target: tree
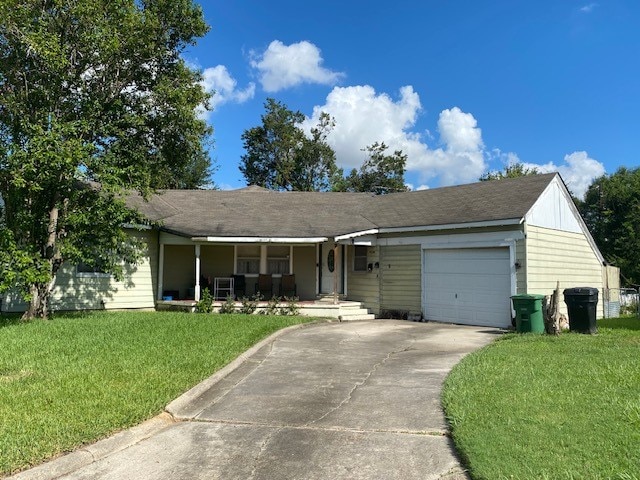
point(379, 173)
point(611, 210)
point(513, 170)
point(280, 156)
point(94, 99)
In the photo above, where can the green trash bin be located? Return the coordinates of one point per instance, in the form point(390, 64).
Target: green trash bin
point(529, 317)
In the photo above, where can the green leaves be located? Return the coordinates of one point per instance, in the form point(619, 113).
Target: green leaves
point(95, 99)
point(514, 170)
point(611, 210)
point(380, 173)
point(280, 156)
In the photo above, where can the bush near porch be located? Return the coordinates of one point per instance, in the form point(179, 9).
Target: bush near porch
point(81, 377)
point(537, 406)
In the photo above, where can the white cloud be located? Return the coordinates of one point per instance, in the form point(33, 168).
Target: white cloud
point(577, 171)
point(282, 66)
point(364, 117)
point(588, 8)
point(224, 87)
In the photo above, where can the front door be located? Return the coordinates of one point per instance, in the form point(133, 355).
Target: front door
point(328, 264)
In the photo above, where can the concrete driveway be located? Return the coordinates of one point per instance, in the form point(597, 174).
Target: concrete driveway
point(354, 400)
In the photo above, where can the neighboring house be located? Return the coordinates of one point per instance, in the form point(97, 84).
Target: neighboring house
point(452, 254)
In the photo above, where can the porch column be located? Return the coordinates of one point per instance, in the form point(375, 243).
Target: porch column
point(263, 259)
point(160, 271)
point(291, 259)
point(197, 287)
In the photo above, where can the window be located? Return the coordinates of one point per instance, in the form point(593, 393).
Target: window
point(84, 270)
point(248, 259)
point(278, 260)
point(360, 258)
point(248, 265)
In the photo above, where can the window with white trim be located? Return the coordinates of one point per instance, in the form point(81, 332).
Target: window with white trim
point(360, 258)
point(248, 259)
point(278, 260)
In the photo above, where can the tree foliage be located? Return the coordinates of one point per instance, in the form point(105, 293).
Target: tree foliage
point(611, 210)
point(379, 173)
point(513, 170)
point(94, 99)
point(280, 156)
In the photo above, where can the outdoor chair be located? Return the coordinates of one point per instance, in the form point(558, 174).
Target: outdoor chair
point(239, 286)
point(265, 286)
point(288, 286)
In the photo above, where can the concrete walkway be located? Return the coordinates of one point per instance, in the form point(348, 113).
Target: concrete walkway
point(327, 401)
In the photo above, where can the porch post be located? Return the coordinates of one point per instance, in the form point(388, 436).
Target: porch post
point(335, 273)
point(197, 287)
point(263, 259)
point(290, 259)
point(160, 271)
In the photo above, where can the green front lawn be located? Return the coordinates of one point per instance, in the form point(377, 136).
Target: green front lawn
point(535, 406)
point(81, 377)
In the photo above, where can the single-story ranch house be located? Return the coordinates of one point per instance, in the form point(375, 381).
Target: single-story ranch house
point(452, 254)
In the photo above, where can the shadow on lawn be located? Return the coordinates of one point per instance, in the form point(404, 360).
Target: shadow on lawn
point(622, 323)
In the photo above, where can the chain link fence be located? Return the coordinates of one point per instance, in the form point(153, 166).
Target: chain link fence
point(621, 301)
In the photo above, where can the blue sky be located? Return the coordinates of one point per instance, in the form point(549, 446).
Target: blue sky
point(462, 87)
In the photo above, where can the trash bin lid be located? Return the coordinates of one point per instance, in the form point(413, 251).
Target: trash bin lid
point(528, 296)
point(579, 291)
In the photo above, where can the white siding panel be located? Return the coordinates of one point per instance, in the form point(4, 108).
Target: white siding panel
point(554, 210)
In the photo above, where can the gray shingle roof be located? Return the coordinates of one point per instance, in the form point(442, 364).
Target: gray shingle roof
point(256, 212)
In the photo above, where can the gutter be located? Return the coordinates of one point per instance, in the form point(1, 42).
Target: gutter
point(260, 239)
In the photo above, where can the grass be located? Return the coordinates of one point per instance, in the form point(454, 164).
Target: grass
point(536, 406)
point(78, 378)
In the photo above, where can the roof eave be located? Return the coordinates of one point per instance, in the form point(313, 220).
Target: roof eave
point(288, 240)
point(453, 226)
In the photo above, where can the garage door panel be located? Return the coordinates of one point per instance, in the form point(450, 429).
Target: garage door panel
point(469, 286)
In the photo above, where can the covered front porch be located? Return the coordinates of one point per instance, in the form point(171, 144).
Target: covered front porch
point(243, 267)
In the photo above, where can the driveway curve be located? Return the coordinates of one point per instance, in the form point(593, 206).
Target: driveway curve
point(356, 400)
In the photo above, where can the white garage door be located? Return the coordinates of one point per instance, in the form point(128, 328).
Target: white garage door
point(468, 285)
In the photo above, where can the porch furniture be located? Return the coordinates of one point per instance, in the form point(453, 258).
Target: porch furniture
point(288, 286)
point(170, 295)
point(265, 285)
point(222, 287)
point(239, 286)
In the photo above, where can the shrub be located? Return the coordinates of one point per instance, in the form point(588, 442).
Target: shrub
point(250, 304)
point(291, 307)
point(272, 306)
point(229, 305)
point(205, 304)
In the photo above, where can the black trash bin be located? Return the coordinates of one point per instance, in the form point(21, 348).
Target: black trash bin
point(581, 304)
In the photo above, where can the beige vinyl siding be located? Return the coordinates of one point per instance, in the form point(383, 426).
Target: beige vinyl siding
point(73, 291)
point(400, 271)
point(521, 273)
point(554, 255)
point(304, 268)
point(364, 286)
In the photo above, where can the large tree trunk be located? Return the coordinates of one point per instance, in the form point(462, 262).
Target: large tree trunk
point(41, 291)
point(39, 304)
